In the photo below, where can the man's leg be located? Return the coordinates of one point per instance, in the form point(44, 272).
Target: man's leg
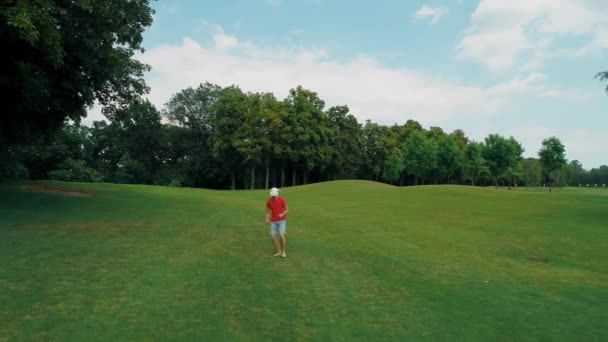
point(275, 242)
point(273, 237)
point(284, 244)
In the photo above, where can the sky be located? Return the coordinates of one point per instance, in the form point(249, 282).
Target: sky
point(522, 68)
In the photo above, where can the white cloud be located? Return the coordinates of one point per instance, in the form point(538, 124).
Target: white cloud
point(520, 85)
point(501, 32)
point(371, 90)
point(224, 41)
point(482, 47)
point(433, 13)
point(534, 84)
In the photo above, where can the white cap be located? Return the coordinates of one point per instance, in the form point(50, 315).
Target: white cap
point(274, 192)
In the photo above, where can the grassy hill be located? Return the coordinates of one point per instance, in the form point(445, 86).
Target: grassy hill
point(366, 261)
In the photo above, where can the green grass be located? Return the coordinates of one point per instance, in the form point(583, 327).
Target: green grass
point(366, 261)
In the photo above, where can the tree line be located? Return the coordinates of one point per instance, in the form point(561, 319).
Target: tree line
point(62, 56)
point(224, 138)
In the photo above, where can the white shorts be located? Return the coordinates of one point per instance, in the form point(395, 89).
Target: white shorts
point(279, 227)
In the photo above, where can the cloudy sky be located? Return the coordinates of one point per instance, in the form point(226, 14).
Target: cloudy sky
point(518, 67)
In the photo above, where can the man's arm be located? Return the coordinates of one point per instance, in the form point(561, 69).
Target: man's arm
point(286, 211)
point(267, 215)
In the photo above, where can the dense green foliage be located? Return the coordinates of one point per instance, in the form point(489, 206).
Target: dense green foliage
point(366, 262)
point(58, 57)
point(603, 76)
point(223, 138)
point(553, 158)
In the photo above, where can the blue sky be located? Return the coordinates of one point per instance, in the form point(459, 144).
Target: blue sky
point(519, 67)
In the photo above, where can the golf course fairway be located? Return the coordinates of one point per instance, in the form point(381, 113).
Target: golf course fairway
point(366, 261)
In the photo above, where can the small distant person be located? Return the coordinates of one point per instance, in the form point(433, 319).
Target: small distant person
point(276, 216)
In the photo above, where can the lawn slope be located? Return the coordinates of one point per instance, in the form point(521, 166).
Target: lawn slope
point(366, 261)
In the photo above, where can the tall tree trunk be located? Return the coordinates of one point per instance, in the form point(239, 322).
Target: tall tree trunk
point(267, 170)
point(232, 181)
point(293, 181)
point(252, 177)
point(401, 179)
point(283, 175)
point(305, 177)
point(415, 180)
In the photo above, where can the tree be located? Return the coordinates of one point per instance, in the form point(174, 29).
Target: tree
point(516, 157)
point(603, 76)
point(530, 170)
point(252, 137)
point(474, 162)
point(419, 155)
point(430, 167)
point(220, 137)
point(600, 175)
point(553, 158)
point(140, 132)
point(393, 167)
point(77, 170)
point(562, 176)
point(130, 149)
point(597, 176)
point(192, 110)
point(105, 149)
point(403, 132)
point(501, 154)
point(578, 173)
point(461, 139)
point(386, 146)
point(513, 176)
point(61, 56)
point(275, 145)
point(308, 132)
point(47, 154)
point(229, 113)
point(435, 133)
point(347, 142)
point(179, 155)
point(372, 155)
point(449, 157)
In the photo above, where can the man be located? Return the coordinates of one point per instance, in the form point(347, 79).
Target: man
point(276, 216)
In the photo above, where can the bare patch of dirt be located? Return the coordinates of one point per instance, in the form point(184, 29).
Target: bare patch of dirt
point(538, 259)
point(55, 191)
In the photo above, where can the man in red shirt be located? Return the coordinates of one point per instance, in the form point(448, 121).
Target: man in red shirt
point(276, 216)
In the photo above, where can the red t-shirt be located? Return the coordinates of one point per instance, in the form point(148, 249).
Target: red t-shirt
point(277, 206)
